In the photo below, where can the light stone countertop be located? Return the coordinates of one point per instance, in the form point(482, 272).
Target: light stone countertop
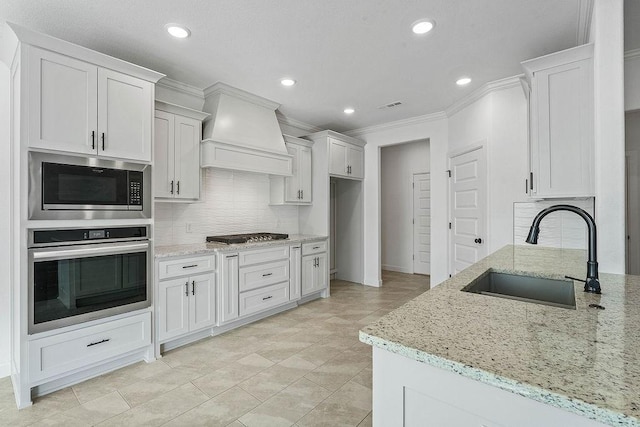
point(209, 248)
point(586, 360)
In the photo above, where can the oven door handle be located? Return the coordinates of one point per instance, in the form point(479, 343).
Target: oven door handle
point(52, 254)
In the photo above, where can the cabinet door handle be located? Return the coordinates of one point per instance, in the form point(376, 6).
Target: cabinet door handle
point(93, 139)
point(102, 141)
point(190, 266)
point(267, 274)
point(526, 186)
point(266, 298)
point(171, 187)
point(302, 194)
point(186, 289)
point(98, 342)
point(531, 181)
point(193, 287)
point(178, 187)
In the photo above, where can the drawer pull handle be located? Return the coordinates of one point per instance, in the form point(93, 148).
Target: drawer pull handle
point(193, 287)
point(316, 247)
point(267, 274)
point(232, 256)
point(266, 298)
point(99, 342)
point(190, 266)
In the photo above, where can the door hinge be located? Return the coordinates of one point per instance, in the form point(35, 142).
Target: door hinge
point(449, 226)
point(414, 257)
point(413, 221)
point(413, 185)
point(449, 173)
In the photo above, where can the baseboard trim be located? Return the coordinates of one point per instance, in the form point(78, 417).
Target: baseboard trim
point(397, 268)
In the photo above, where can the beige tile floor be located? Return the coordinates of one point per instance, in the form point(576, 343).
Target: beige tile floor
point(304, 367)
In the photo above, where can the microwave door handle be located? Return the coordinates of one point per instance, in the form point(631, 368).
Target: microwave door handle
point(94, 250)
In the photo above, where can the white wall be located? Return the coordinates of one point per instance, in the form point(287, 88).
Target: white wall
point(433, 128)
point(233, 202)
point(497, 120)
point(398, 164)
point(5, 222)
point(607, 33)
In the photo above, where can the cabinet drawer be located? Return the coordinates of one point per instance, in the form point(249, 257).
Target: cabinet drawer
point(263, 255)
point(257, 276)
point(63, 353)
point(185, 267)
point(264, 298)
point(314, 248)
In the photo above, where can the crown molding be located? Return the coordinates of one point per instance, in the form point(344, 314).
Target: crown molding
point(501, 84)
point(632, 54)
point(585, 14)
point(288, 121)
point(168, 83)
point(398, 124)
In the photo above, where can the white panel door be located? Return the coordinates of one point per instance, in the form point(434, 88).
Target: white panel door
point(202, 304)
point(304, 173)
point(322, 278)
point(467, 209)
point(422, 223)
point(173, 308)
point(187, 158)
point(291, 183)
point(163, 154)
point(229, 288)
point(355, 161)
point(308, 274)
point(62, 103)
point(337, 157)
point(125, 108)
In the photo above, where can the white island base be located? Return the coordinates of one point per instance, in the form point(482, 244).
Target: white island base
point(411, 393)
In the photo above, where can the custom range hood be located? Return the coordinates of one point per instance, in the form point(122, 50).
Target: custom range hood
point(242, 133)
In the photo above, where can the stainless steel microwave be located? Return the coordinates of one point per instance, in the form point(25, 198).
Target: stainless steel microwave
point(69, 187)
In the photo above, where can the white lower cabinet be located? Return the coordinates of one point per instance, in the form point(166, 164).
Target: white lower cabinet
point(60, 354)
point(186, 303)
point(261, 299)
point(315, 270)
point(228, 289)
point(295, 276)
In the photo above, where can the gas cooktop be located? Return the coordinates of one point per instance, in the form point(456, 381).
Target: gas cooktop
point(247, 238)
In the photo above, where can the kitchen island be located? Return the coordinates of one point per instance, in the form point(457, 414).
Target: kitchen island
point(494, 361)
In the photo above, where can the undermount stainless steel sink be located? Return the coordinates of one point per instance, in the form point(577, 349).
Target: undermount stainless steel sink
point(553, 292)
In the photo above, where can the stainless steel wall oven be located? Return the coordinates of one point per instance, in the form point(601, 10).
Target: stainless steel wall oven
point(69, 187)
point(77, 275)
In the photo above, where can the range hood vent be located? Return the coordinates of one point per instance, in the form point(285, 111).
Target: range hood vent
point(243, 133)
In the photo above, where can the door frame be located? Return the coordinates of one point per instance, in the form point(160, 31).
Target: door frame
point(482, 146)
point(413, 211)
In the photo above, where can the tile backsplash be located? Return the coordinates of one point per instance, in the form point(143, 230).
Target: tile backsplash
point(231, 202)
point(558, 229)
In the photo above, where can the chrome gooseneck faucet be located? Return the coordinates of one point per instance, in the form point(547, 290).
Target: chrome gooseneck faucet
point(591, 284)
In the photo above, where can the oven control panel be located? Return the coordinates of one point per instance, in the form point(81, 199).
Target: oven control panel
point(135, 190)
point(80, 235)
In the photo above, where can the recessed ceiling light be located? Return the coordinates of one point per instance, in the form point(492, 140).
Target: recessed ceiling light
point(423, 26)
point(178, 31)
point(463, 81)
point(287, 82)
point(349, 110)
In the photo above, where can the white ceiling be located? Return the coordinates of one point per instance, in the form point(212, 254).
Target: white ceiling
point(358, 53)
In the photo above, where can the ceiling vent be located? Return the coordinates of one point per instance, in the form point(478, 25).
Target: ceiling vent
point(390, 105)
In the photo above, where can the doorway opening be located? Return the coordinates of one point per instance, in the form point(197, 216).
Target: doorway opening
point(632, 143)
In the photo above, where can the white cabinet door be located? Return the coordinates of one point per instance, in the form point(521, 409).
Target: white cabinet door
point(62, 102)
point(228, 287)
point(562, 159)
point(295, 273)
point(202, 304)
point(163, 154)
point(308, 274)
point(173, 308)
point(125, 112)
point(337, 157)
point(292, 183)
point(304, 174)
point(355, 161)
point(321, 274)
point(187, 158)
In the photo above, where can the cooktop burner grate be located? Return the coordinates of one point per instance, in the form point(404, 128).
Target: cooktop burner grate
point(247, 238)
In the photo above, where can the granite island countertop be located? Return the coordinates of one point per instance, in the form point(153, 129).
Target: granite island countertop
point(213, 247)
point(585, 360)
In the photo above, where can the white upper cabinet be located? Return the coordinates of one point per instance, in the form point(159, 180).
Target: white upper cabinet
point(63, 103)
point(561, 115)
point(178, 132)
point(82, 102)
point(295, 189)
point(346, 159)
